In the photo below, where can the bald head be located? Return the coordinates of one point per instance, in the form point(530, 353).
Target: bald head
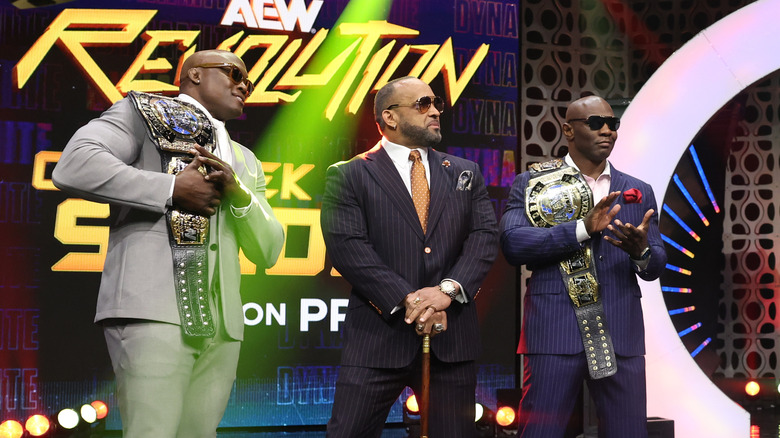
point(585, 106)
point(210, 77)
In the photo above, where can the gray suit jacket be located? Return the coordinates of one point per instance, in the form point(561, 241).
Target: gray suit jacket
point(112, 159)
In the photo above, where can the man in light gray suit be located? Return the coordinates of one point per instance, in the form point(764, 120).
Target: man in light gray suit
point(181, 192)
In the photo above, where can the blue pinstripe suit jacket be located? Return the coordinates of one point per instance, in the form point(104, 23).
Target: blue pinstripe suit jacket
point(374, 239)
point(549, 325)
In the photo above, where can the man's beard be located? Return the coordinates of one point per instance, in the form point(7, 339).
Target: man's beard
point(419, 135)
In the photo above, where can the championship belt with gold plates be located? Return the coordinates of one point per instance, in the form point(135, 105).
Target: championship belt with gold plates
point(175, 127)
point(557, 194)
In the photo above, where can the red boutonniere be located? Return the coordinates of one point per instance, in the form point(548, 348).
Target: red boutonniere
point(632, 196)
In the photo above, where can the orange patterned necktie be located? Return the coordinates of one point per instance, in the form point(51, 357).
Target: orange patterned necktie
point(421, 196)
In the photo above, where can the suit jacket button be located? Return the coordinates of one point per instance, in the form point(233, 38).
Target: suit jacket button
point(427, 249)
point(601, 257)
point(213, 247)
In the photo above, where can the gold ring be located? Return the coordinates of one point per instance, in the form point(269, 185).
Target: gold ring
point(438, 327)
point(416, 301)
point(420, 327)
point(431, 307)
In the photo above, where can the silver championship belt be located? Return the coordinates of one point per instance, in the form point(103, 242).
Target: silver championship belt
point(557, 194)
point(176, 126)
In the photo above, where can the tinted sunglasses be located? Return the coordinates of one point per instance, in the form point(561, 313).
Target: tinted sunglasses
point(596, 122)
point(233, 72)
point(422, 104)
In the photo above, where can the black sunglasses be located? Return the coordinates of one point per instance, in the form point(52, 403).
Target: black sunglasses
point(233, 72)
point(596, 122)
point(422, 104)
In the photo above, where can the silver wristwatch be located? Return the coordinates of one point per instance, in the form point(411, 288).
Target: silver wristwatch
point(448, 288)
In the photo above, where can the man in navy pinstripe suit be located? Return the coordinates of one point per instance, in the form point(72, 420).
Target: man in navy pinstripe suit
point(625, 243)
point(410, 275)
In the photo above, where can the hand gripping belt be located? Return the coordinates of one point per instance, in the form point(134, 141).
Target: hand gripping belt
point(175, 127)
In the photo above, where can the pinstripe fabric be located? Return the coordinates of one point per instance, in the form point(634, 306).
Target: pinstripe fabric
point(549, 325)
point(375, 240)
point(375, 390)
point(542, 416)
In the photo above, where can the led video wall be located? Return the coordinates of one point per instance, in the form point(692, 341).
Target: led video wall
point(316, 66)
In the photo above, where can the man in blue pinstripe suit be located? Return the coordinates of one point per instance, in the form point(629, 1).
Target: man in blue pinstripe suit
point(412, 272)
point(619, 235)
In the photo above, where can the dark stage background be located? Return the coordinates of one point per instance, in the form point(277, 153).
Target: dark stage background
point(63, 65)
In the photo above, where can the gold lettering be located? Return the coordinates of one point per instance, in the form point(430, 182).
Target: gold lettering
point(142, 63)
point(128, 24)
point(42, 158)
point(290, 178)
point(69, 233)
point(314, 263)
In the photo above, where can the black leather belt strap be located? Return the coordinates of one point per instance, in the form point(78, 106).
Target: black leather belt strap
point(176, 126)
point(557, 194)
point(579, 274)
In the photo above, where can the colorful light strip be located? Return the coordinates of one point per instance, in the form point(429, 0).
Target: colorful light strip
point(704, 180)
point(679, 290)
point(677, 219)
point(678, 269)
point(690, 199)
point(682, 310)
point(677, 245)
point(701, 347)
point(689, 329)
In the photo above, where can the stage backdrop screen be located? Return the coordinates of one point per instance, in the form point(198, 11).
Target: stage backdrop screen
point(316, 66)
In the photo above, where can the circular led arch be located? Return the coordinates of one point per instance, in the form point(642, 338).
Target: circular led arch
point(656, 129)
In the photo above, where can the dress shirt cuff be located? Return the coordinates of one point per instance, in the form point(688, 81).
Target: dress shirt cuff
point(641, 265)
point(169, 201)
point(582, 232)
point(461, 297)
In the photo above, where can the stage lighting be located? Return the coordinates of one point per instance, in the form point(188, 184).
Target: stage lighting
point(101, 408)
point(68, 419)
point(485, 422)
point(411, 405)
point(88, 413)
point(11, 429)
point(752, 388)
point(505, 416)
point(37, 425)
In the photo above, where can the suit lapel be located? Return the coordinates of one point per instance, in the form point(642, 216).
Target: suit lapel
point(382, 169)
point(440, 178)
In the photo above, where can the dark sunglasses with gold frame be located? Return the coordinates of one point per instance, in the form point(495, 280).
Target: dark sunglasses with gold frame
point(422, 104)
point(234, 73)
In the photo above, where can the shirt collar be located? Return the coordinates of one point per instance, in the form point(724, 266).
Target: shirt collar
point(400, 154)
point(607, 169)
point(189, 99)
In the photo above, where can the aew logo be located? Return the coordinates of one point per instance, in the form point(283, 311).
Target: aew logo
point(272, 14)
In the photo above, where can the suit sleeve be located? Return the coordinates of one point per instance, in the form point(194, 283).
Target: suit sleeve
point(260, 235)
point(523, 243)
point(481, 245)
point(657, 250)
point(351, 253)
point(97, 162)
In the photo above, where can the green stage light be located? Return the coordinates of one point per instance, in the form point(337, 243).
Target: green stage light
point(302, 127)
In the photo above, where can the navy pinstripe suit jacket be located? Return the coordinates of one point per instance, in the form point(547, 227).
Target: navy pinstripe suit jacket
point(374, 239)
point(549, 324)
